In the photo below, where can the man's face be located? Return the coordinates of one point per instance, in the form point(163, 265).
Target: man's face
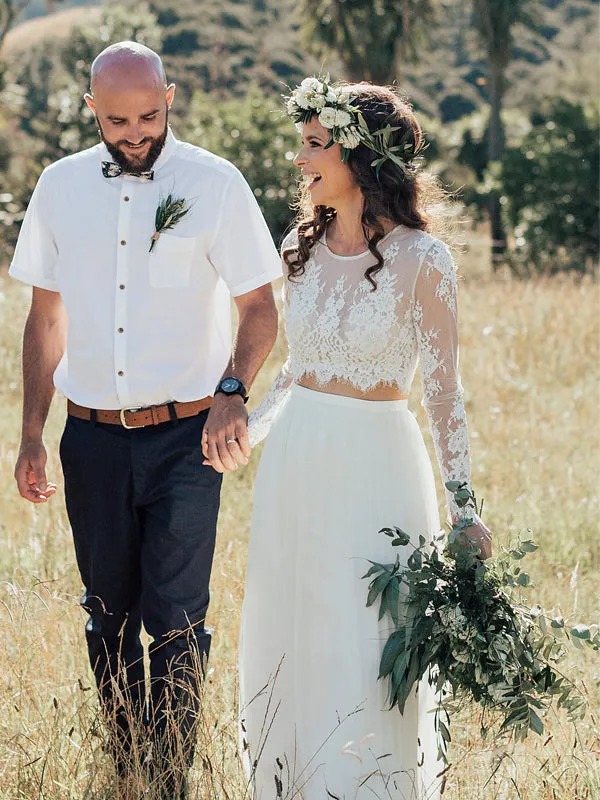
point(132, 117)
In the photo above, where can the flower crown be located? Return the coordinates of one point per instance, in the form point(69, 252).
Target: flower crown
point(332, 105)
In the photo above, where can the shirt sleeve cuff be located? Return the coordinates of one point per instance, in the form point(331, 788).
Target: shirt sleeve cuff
point(254, 283)
point(40, 283)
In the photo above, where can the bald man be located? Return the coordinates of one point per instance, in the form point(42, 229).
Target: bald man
point(130, 322)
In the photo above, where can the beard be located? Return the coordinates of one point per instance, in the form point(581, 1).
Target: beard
point(136, 165)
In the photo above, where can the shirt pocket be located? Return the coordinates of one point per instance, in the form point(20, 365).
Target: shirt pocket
point(170, 261)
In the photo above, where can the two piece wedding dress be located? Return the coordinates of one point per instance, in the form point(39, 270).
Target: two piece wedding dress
point(315, 723)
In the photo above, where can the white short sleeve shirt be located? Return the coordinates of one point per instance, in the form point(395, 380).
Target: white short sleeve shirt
point(144, 327)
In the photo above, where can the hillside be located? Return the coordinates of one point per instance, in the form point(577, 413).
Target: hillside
point(222, 48)
point(58, 25)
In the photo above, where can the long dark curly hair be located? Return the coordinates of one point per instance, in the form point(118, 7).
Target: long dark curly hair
point(411, 197)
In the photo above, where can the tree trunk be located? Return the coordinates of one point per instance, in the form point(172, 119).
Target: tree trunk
point(496, 159)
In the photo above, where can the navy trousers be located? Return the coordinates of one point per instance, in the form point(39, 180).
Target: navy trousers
point(143, 510)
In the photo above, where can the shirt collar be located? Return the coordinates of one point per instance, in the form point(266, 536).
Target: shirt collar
point(165, 154)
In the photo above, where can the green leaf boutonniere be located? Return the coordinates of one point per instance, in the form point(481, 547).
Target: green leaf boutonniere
point(169, 212)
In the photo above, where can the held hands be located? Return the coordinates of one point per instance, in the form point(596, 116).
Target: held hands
point(30, 472)
point(225, 443)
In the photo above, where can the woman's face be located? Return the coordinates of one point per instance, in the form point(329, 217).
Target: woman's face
point(330, 181)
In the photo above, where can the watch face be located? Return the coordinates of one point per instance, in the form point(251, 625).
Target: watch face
point(230, 384)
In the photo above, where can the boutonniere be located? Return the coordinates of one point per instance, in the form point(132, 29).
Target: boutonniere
point(169, 212)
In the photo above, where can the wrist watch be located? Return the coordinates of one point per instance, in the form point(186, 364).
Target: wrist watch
point(231, 385)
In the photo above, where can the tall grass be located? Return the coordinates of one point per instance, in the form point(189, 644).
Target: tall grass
point(530, 368)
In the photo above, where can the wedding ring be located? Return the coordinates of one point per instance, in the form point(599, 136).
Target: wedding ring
point(231, 441)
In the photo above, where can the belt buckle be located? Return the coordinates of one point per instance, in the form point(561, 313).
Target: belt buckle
point(122, 418)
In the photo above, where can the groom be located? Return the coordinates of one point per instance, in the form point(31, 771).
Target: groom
point(138, 342)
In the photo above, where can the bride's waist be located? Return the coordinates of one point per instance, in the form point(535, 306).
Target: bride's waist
point(379, 392)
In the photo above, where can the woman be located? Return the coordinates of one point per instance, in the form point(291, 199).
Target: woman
point(368, 292)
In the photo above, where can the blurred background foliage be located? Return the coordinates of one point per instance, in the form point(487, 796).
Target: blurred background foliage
point(506, 90)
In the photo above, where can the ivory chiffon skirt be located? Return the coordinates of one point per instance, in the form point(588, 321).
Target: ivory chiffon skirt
point(313, 716)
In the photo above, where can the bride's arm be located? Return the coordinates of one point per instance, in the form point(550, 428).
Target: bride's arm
point(435, 314)
point(261, 419)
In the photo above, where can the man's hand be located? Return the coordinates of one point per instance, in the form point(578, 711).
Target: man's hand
point(225, 441)
point(30, 472)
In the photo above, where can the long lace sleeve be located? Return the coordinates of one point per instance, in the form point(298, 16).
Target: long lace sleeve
point(436, 326)
point(260, 420)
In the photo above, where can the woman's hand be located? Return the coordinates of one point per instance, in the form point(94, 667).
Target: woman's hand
point(481, 536)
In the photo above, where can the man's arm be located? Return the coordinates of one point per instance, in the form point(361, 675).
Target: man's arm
point(228, 418)
point(44, 343)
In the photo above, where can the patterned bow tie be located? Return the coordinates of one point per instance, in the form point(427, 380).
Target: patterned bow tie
point(112, 170)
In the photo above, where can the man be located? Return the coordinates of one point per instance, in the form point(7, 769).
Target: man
point(147, 342)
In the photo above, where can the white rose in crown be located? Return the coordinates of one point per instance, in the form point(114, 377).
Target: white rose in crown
point(311, 85)
point(327, 117)
point(318, 102)
point(342, 118)
point(301, 98)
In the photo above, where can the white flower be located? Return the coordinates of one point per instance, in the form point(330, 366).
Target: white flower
point(343, 98)
point(311, 85)
point(332, 96)
point(300, 96)
point(327, 117)
point(292, 105)
point(317, 102)
point(342, 118)
point(349, 137)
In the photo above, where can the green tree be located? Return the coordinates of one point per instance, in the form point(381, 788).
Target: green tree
point(495, 22)
point(371, 38)
point(43, 103)
point(551, 186)
point(252, 133)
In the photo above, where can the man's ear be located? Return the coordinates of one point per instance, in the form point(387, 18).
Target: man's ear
point(90, 102)
point(170, 95)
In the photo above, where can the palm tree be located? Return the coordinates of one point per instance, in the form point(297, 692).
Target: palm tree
point(371, 37)
point(494, 21)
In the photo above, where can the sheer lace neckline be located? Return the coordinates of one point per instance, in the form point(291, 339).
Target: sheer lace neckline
point(399, 229)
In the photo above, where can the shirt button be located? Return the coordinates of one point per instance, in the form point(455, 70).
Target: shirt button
point(119, 330)
point(120, 373)
point(122, 286)
point(126, 199)
point(123, 242)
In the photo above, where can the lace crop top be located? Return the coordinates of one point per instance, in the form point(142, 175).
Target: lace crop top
point(338, 328)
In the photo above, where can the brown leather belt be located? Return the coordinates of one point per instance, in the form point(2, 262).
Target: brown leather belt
point(141, 417)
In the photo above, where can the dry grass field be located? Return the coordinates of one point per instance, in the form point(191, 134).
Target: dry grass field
point(530, 367)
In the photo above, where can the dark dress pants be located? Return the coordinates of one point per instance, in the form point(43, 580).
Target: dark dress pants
point(143, 510)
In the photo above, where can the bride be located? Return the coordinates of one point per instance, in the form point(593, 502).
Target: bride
point(369, 291)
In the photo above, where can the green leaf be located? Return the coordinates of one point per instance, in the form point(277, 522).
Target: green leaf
point(535, 723)
point(528, 546)
point(377, 586)
point(445, 732)
point(580, 631)
point(393, 647)
point(374, 569)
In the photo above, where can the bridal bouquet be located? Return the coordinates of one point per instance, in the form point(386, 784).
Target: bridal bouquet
point(462, 623)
